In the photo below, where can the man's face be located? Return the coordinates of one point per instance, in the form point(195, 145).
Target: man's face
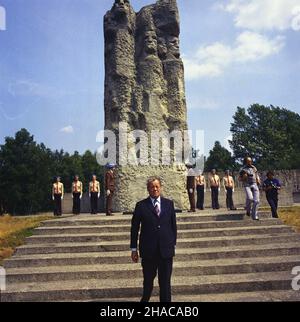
point(121, 6)
point(173, 45)
point(270, 176)
point(154, 189)
point(76, 178)
point(57, 179)
point(94, 178)
point(214, 172)
point(249, 161)
point(151, 42)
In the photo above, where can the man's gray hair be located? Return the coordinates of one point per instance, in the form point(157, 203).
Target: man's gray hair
point(154, 178)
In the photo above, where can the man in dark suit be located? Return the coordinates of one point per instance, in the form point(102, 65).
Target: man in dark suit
point(157, 219)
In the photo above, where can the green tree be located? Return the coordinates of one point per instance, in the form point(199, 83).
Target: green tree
point(28, 169)
point(220, 159)
point(24, 175)
point(271, 135)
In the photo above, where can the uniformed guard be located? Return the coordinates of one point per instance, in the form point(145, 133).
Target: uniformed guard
point(272, 187)
point(229, 186)
point(201, 189)
point(191, 186)
point(57, 196)
point(94, 193)
point(214, 183)
point(110, 187)
point(77, 191)
point(251, 181)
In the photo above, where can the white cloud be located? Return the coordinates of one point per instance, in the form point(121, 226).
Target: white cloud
point(264, 14)
point(68, 129)
point(27, 87)
point(212, 60)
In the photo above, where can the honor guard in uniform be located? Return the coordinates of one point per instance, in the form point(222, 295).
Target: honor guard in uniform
point(77, 191)
point(57, 196)
point(251, 181)
point(201, 189)
point(191, 187)
point(110, 188)
point(94, 193)
point(272, 188)
point(214, 183)
point(228, 184)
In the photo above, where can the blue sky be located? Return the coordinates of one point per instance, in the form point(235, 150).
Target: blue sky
point(236, 52)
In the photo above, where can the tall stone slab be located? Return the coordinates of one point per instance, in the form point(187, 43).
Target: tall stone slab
point(144, 90)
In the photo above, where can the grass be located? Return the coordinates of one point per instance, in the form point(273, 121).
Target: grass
point(291, 217)
point(14, 230)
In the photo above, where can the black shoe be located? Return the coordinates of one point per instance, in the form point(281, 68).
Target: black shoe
point(248, 214)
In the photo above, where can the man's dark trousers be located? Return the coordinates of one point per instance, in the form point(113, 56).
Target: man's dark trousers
point(94, 203)
point(215, 197)
point(229, 198)
point(164, 268)
point(57, 205)
point(76, 203)
point(273, 202)
point(200, 197)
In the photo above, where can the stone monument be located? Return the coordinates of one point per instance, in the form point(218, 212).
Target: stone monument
point(144, 89)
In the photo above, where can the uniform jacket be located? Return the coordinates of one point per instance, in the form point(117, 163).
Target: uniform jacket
point(110, 181)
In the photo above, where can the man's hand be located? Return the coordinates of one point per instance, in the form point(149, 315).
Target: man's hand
point(108, 192)
point(135, 256)
point(191, 191)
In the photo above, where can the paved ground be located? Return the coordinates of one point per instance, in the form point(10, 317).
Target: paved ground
point(221, 256)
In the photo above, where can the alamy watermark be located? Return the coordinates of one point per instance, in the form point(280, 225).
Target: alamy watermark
point(2, 18)
point(2, 279)
point(296, 279)
point(155, 148)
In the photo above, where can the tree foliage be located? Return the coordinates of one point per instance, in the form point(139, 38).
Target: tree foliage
point(271, 135)
point(28, 169)
point(220, 159)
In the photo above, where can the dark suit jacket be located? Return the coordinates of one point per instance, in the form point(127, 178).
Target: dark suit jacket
point(157, 233)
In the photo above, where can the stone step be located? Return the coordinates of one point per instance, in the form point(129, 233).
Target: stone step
point(119, 288)
point(182, 230)
point(125, 271)
point(259, 296)
point(192, 254)
point(86, 219)
point(194, 241)
point(206, 253)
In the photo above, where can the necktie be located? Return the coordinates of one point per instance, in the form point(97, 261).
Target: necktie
point(156, 208)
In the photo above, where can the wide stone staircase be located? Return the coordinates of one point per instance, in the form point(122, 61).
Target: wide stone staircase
point(220, 257)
